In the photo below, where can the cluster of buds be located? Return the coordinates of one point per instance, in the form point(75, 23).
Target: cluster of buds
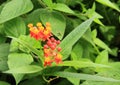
point(51, 52)
point(51, 49)
point(39, 32)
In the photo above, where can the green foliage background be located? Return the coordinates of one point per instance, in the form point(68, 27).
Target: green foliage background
point(89, 33)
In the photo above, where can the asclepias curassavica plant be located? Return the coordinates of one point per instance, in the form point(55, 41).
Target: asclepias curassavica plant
point(59, 42)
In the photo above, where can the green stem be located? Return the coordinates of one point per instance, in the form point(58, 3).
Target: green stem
point(51, 79)
point(45, 79)
point(42, 4)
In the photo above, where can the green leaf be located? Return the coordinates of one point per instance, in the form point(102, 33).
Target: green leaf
point(14, 9)
point(32, 42)
point(82, 64)
point(74, 56)
point(14, 46)
point(102, 58)
point(49, 3)
point(57, 21)
point(63, 8)
point(2, 39)
point(2, 29)
point(33, 17)
point(82, 76)
point(74, 81)
point(3, 64)
point(91, 12)
point(94, 34)
point(4, 83)
point(109, 30)
point(69, 41)
point(77, 52)
point(24, 69)
point(16, 60)
point(88, 37)
point(109, 4)
point(100, 83)
point(15, 27)
point(26, 44)
point(101, 44)
point(113, 73)
point(4, 51)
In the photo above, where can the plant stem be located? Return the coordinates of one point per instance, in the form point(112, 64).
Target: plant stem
point(51, 79)
point(42, 4)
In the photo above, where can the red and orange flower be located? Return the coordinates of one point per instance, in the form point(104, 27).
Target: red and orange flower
point(50, 49)
point(39, 32)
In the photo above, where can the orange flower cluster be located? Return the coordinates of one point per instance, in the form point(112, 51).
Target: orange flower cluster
point(39, 32)
point(51, 49)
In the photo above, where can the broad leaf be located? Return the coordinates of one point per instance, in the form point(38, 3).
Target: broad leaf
point(25, 69)
point(77, 33)
point(14, 9)
point(4, 51)
point(4, 83)
point(49, 3)
point(2, 39)
point(16, 60)
point(102, 58)
point(15, 27)
point(32, 42)
point(77, 52)
point(14, 46)
point(2, 29)
point(57, 21)
point(27, 45)
point(33, 17)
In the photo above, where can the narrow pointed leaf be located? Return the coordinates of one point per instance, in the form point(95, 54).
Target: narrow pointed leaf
point(73, 37)
point(109, 4)
point(101, 44)
point(83, 76)
point(82, 64)
point(63, 8)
